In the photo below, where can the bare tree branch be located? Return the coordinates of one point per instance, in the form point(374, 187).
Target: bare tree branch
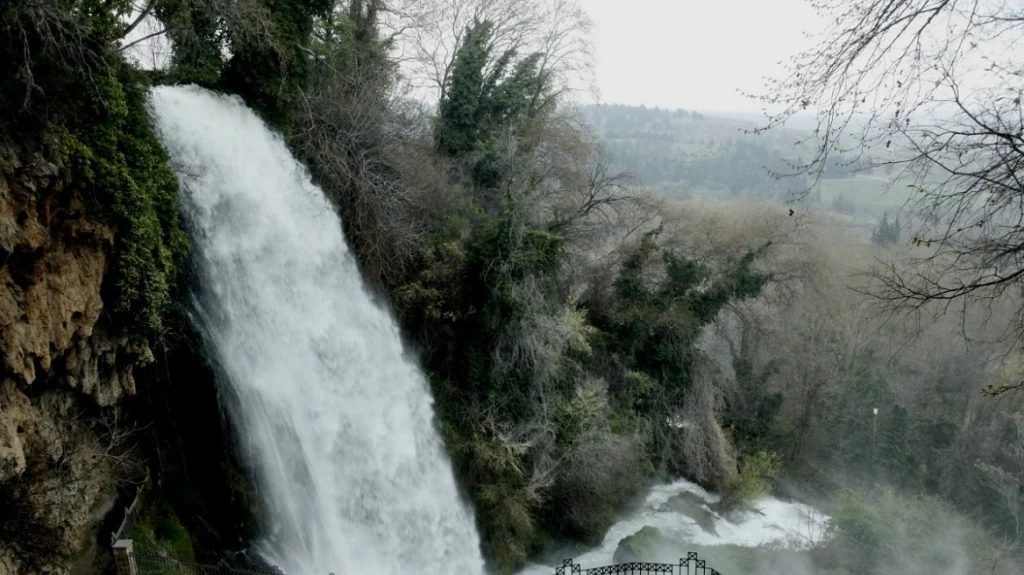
point(930, 86)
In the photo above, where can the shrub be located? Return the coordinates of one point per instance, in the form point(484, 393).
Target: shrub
point(881, 531)
point(754, 480)
point(163, 534)
point(599, 477)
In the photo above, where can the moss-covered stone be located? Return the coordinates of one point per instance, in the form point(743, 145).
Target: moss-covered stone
point(692, 506)
point(644, 545)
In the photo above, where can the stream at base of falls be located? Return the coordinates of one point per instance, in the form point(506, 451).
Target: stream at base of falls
point(682, 514)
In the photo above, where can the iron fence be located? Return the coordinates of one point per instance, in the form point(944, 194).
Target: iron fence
point(691, 565)
point(156, 564)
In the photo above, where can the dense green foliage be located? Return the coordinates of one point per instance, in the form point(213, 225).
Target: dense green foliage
point(162, 534)
point(119, 166)
point(756, 472)
point(65, 86)
point(650, 326)
point(267, 42)
point(50, 51)
point(488, 95)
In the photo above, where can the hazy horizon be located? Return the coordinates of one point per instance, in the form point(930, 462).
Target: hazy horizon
point(649, 61)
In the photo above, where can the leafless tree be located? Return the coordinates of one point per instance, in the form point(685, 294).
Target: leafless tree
point(372, 157)
point(77, 458)
point(593, 195)
point(433, 31)
point(603, 470)
point(50, 33)
point(1006, 480)
point(43, 31)
point(693, 440)
point(932, 87)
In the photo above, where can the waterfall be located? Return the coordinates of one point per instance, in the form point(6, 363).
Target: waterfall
point(337, 420)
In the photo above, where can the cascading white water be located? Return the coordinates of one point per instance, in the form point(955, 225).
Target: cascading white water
point(777, 523)
point(338, 421)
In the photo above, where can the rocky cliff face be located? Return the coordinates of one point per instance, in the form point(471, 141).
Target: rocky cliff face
point(61, 372)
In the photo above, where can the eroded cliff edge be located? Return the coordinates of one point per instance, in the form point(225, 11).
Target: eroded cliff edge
point(61, 369)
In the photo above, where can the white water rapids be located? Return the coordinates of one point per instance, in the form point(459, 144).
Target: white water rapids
point(777, 523)
point(337, 420)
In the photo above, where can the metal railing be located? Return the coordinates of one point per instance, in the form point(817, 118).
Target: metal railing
point(689, 566)
point(132, 560)
point(131, 515)
point(155, 564)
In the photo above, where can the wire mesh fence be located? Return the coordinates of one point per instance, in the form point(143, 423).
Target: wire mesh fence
point(691, 565)
point(147, 563)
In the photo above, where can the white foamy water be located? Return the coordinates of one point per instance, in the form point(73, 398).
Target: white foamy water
point(337, 421)
point(793, 525)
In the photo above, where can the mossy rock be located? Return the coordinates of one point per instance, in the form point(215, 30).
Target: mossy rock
point(692, 505)
point(644, 545)
point(732, 510)
point(650, 545)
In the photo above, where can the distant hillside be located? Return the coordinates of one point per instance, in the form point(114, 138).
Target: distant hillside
point(687, 154)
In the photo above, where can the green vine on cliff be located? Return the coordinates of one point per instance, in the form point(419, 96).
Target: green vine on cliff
point(115, 161)
point(64, 77)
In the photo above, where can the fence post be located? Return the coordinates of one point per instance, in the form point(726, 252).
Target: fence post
point(124, 557)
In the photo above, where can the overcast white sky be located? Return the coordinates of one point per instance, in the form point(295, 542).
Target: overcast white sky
point(694, 54)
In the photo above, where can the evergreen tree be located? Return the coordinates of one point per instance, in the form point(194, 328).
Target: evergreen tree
point(887, 233)
point(485, 96)
point(458, 121)
point(652, 330)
